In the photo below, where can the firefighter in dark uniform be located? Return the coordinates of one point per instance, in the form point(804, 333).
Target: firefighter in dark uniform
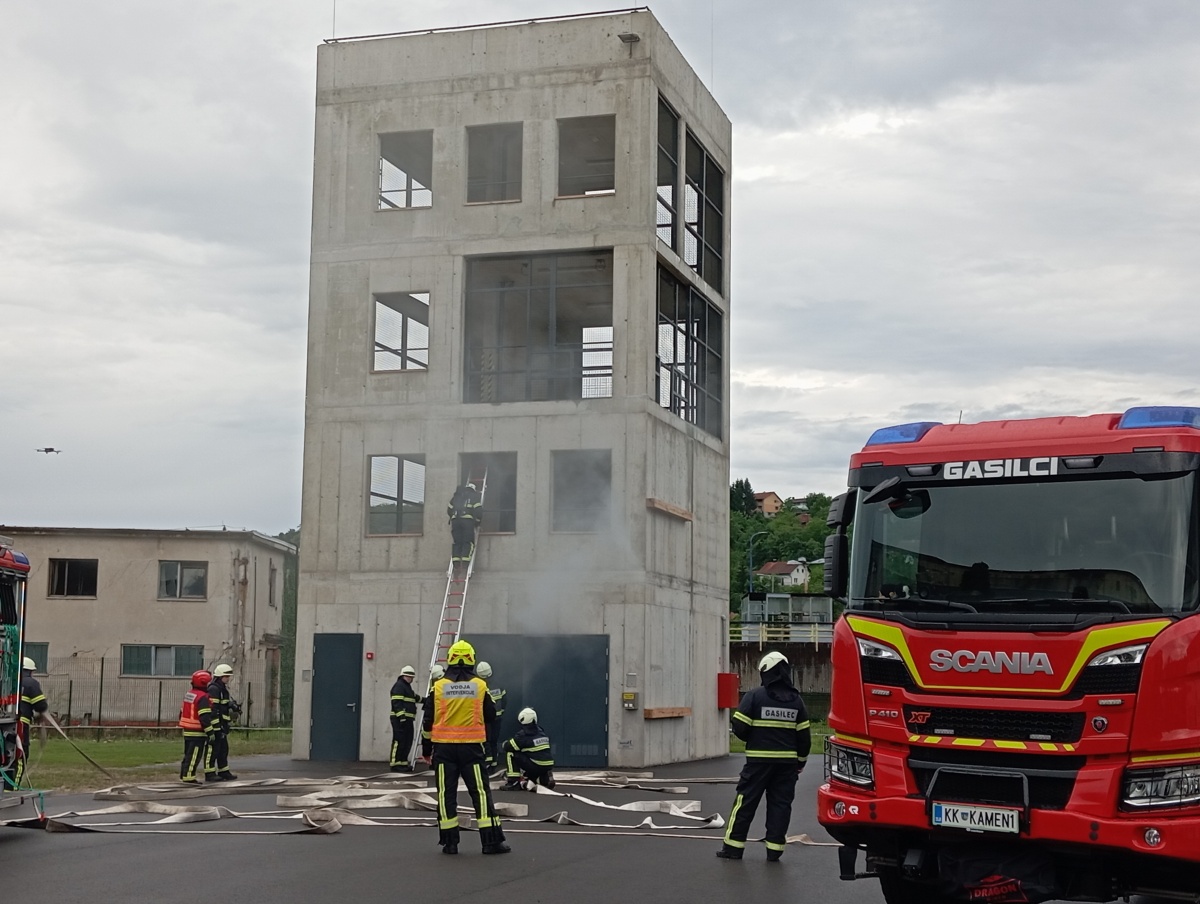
point(216, 762)
point(196, 720)
point(463, 512)
point(527, 754)
point(404, 714)
point(484, 671)
point(31, 706)
point(426, 707)
point(457, 723)
point(773, 722)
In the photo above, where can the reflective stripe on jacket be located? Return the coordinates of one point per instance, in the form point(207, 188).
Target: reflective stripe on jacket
point(195, 716)
point(32, 699)
point(773, 722)
point(533, 742)
point(458, 711)
point(404, 700)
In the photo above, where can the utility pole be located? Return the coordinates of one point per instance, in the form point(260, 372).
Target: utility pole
point(750, 561)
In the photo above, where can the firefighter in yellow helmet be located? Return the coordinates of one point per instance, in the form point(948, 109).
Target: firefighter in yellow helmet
point(457, 724)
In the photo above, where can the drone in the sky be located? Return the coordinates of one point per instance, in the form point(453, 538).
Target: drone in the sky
point(48, 450)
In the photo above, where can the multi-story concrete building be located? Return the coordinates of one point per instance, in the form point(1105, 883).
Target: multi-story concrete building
point(520, 267)
point(117, 620)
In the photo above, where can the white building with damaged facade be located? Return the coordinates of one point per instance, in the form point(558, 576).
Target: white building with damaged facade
point(519, 274)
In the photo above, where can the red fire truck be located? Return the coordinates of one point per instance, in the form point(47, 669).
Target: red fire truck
point(14, 569)
point(1016, 678)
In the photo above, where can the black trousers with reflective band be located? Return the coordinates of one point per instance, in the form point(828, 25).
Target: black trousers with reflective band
point(402, 742)
point(462, 531)
point(217, 758)
point(453, 761)
point(193, 755)
point(777, 780)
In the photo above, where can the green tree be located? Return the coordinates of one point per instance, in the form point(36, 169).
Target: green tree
point(741, 497)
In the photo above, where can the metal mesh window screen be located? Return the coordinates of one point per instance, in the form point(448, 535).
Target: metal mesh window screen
point(689, 371)
point(539, 328)
point(668, 174)
point(397, 495)
point(703, 213)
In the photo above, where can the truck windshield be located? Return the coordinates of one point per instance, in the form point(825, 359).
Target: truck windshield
point(1126, 545)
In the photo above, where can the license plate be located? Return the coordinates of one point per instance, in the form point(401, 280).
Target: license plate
point(977, 819)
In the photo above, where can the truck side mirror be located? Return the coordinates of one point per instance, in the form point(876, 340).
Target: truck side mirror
point(837, 556)
point(841, 509)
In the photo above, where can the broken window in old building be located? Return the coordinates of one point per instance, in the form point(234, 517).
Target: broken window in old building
point(498, 471)
point(182, 580)
point(494, 162)
point(401, 331)
point(668, 173)
point(703, 213)
point(73, 577)
point(587, 155)
point(539, 327)
point(405, 170)
point(397, 502)
point(689, 374)
point(582, 491)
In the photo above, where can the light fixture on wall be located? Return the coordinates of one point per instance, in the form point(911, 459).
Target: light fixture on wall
point(628, 37)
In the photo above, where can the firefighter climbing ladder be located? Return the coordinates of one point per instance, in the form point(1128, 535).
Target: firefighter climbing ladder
point(454, 603)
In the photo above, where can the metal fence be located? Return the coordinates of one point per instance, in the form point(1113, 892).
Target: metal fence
point(781, 632)
point(84, 691)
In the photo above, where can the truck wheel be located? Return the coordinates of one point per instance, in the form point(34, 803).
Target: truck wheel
point(899, 890)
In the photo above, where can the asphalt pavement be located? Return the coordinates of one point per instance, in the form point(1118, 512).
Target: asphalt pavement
point(548, 863)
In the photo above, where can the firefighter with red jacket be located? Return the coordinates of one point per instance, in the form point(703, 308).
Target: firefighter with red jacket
point(773, 723)
point(456, 723)
point(198, 724)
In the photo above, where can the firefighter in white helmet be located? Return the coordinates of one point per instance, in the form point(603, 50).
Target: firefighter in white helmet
point(527, 754)
point(426, 706)
point(216, 759)
point(773, 723)
point(484, 671)
point(403, 718)
point(30, 707)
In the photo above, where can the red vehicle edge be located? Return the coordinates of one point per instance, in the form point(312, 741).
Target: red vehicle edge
point(1015, 705)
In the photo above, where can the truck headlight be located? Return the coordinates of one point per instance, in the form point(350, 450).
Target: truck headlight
point(849, 764)
point(1124, 656)
point(1167, 786)
point(868, 649)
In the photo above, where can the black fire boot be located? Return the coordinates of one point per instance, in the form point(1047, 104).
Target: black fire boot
point(448, 839)
point(773, 856)
point(493, 841)
point(728, 852)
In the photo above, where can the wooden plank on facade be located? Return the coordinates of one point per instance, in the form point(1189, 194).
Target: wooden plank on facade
point(668, 712)
point(667, 508)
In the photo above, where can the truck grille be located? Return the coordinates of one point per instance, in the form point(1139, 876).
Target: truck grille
point(1108, 679)
point(888, 672)
point(964, 777)
point(995, 724)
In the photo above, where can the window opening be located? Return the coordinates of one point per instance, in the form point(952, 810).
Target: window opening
point(167, 661)
point(73, 577)
point(500, 498)
point(40, 654)
point(539, 328)
point(587, 155)
point(182, 580)
point(405, 170)
point(401, 331)
point(494, 162)
point(397, 500)
point(703, 213)
point(688, 368)
point(668, 173)
point(582, 493)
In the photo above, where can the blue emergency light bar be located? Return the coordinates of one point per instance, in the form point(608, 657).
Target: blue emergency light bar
point(1159, 416)
point(902, 433)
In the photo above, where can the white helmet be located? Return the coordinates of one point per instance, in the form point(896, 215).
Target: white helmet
point(483, 670)
point(409, 671)
point(771, 660)
point(437, 672)
point(222, 670)
point(527, 716)
point(29, 664)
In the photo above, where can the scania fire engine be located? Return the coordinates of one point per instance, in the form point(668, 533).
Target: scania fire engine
point(14, 569)
point(1016, 678)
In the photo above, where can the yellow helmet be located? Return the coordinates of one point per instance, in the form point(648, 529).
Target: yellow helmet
point(461, 653)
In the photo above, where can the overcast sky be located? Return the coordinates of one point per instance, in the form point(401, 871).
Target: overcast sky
point(938, 207)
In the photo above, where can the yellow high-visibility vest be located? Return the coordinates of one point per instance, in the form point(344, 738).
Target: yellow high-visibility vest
point(458, 711)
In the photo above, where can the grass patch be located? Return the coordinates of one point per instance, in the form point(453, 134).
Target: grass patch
point(820, 731)
point(57, 766)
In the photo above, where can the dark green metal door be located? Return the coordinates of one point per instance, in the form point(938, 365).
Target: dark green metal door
point(336, 697)
point(562, 676)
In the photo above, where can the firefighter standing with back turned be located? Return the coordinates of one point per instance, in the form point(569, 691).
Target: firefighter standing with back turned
point(32, 705)
point(216, 762)
point(773, 722)
point(456, 723)
point(403, 718)
point(196, 720)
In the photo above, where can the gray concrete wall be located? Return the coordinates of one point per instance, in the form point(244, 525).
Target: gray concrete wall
point(654, 583)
